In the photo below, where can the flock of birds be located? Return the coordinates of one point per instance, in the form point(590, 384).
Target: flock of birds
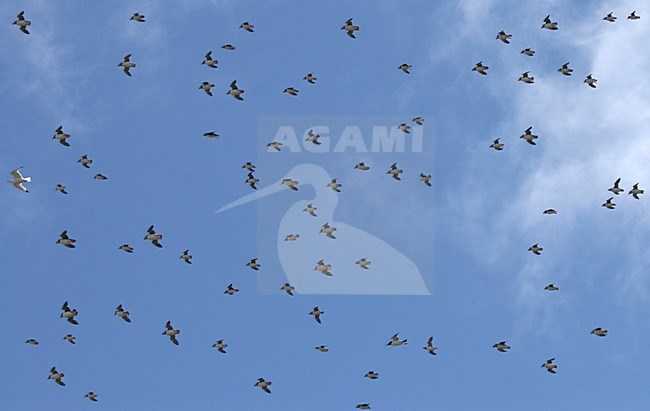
point(70, 314)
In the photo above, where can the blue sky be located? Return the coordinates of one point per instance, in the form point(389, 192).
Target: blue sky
point(468, 234)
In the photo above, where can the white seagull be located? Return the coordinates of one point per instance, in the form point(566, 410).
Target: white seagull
point(18, 180)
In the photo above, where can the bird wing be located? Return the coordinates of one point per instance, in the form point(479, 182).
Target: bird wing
point(20, 187)
point(233, 85)
point(173, 338)
point(168, 325)
point(127, 58)
point(16, 173)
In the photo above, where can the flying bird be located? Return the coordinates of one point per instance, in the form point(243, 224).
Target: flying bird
point(211, 134)
point(480, 68)
point(65, 240)
point(525, 78)
point(171, 332)
point(322, 348)
point(610, 17)
point(535, 249)
point(91, 395)
point(209, 61)
point(548, 24)
point(127, 65)
point(551, 287)
point(550, 211)
point(186, 256)
point(501, 346)
point(275, 145)
point(426, 179)
point(60, 188)
point(235, 91)
point(635, 191)
point(288, 288)
point(430, 348)
point(206, 86)
point(292, 184)
point(550, 367)
point(334, 185)
point(70, 338)
point(405, 128)
point(310, 78)
point(599, 332)
point(61, 136)
point(529, 136)
point(127, 248)
point(395, 341)
point(69, 314)
point(528, 52)
point(263, 384)
point(364, 406)
point(153, 237)
point(616, 189)
point(122, 313)
point(565, 69)
point(608, 204)
point(85, 161)
point(328, 231)
point(317, 312)
point(138, 17)
point(418, 120)
point(100, 176)
point(249, 166)
point(395, 172)
point(361, 166)
point(220, 346)
point(31, 341)
point(504, 37)
point(405, 68)
point(229, 47)
point(253, 264)
point(313, 137)
point(590, 81)
point(247, 26)
point(311, 210)
point(497, 145)
point(56, 376)
point(323, 268)
point(633, 16)
point(22, 23)
point(18, 180)
point(371, 375)
point(291, 90)
point(364, 263)
point(231, 290)
point(251, 180)
point(350, 28)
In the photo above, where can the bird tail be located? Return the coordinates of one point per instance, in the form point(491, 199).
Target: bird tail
point(28, 179)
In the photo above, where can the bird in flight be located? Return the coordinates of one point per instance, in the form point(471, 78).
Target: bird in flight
point(22, 23)
point(18, 180)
